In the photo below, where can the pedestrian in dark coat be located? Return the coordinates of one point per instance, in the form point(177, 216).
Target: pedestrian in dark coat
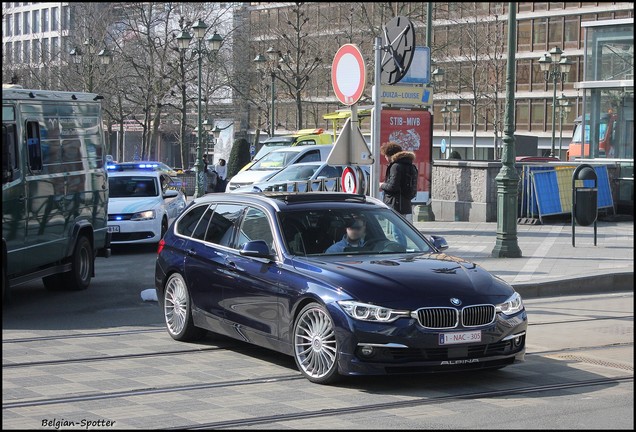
point(394, 186)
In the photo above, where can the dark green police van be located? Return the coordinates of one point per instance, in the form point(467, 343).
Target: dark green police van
point(54, 188)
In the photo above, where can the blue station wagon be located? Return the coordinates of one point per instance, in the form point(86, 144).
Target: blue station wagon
point(339, 281)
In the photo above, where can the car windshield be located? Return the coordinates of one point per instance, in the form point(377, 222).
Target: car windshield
point(295, 172)
point(271, 145)
point(132, 186)
point(349, 231)
point(274, 160)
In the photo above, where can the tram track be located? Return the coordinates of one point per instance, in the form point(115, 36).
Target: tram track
point(278, 418)
point(212, 385)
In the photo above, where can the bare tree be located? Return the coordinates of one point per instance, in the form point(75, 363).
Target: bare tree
point(493, 112)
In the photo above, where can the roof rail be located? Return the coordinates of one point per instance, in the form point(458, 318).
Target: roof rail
point(300, 197)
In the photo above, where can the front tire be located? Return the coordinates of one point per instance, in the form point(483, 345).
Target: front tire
point(315, 345)
point(177, 310)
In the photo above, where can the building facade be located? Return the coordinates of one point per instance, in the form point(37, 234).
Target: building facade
point(473, 83)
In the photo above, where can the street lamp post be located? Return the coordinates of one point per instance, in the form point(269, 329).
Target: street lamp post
point(564, 108)
point(449, 113)
point(214, 42)
point(506, 245)
point(78, 55)
point(260, 61)
point(555, 68)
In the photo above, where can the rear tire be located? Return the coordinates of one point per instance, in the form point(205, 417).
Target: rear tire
point(79, 277)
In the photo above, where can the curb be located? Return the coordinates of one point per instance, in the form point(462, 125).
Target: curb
point(597, 284)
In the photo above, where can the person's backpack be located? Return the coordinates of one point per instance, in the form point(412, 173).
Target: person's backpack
point(411, 181)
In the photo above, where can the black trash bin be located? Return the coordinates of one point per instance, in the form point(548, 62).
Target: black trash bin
point(584, 198)
point(585, 206)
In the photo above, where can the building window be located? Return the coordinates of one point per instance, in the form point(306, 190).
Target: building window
point(17, 51)
point(555, 32)
point(522, 114)
point(17, 24)
point(524, 35)
point(55, 18)
point(538, 114)
point(538, 81)
point(26, 23)
point(8, 49)
point(7, 25)
point(37, 50)
point(539, 34)
point(46, 55)
point(55, 48)
point(45, 20)
point(35, 24)
point(26, 58)
point(523, 74)
point(66, 17)
point(572, 32)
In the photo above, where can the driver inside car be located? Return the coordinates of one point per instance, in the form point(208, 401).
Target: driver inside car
point(353, 238)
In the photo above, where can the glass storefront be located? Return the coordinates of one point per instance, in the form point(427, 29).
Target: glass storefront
point(605, 130)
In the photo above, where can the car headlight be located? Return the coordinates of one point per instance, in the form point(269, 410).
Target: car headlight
point(511, 306)
point(144, 215)
point(369, 312)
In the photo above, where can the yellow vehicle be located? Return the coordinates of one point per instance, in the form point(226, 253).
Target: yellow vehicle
point(300, 138)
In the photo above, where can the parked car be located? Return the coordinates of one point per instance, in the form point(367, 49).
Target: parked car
point(300, 138)
point(141, 205)
point(304, 176)
point(275, 161)
point(137, 165)
point(149, 165)
point(265, 268)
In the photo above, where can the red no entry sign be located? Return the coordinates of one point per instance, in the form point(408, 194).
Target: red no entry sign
point(348, 74)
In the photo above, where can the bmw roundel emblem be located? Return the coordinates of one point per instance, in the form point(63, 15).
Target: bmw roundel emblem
point(455, 301)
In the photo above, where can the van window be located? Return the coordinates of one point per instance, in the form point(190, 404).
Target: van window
point(9, 152)
point(34, 145)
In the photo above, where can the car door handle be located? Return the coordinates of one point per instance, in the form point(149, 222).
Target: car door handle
point(231, 264)
point(191, 252)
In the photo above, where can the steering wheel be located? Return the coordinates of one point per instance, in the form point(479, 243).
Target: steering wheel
point(383, 245)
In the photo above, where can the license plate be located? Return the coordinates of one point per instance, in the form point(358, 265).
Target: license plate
point(459, 337)
point(113, 228)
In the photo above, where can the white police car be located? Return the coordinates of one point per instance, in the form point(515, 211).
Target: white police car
point(141, 205)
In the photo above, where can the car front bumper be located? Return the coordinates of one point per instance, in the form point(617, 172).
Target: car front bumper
point(406, 347)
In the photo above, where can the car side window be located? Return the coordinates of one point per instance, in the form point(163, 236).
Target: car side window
point(202, 226)
point(190, 219)
point(329, 172)
point(312, 156)
point(222, 225)
point(255, 226)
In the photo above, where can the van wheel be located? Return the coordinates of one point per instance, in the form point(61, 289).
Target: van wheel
point(83, 261)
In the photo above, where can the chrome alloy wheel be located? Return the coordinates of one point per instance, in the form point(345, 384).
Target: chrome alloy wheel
point(315, 345)
point(175, 305)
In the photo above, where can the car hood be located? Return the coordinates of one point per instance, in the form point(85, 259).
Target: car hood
point(402, 280)
point(131, 205)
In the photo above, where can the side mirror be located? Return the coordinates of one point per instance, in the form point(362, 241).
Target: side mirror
point(439, 242)
point(256, 249)
point(170, 193)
